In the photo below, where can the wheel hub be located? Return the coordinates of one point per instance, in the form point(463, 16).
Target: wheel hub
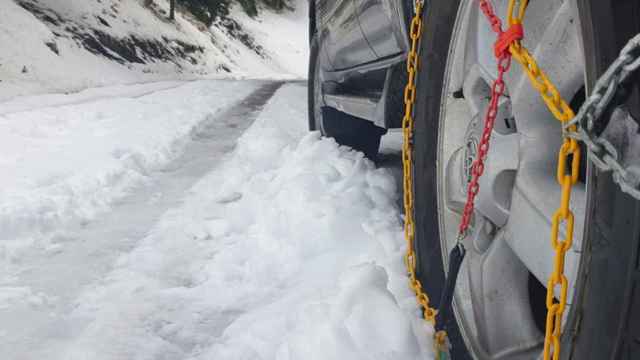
point(470, 153)
point(497, 181)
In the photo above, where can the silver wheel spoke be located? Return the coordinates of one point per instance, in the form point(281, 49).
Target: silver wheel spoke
point(535, 198)
point(496, 184)
point(496, 305)
point(477, 89)
point(455, 190)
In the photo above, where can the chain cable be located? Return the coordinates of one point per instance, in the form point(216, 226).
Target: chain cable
point(422, 298)
point(569, 161)
point(497, 90)
point(458, 252)
point(603, 155)
point(602, 152)
point(568, 170)
point(504, 62)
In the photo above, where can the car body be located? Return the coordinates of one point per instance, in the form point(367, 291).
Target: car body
point(364, 45)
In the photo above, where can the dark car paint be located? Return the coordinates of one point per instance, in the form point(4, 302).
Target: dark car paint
point(358, 32)
point(381, 22)
point(344, 42)
point(360, 42)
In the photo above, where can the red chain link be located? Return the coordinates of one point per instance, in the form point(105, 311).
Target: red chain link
point(497, 90)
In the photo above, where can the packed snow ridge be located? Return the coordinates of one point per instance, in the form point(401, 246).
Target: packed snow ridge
point(288, 247)
point(67, 46)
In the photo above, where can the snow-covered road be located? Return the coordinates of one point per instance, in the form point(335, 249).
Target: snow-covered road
point(195, 220)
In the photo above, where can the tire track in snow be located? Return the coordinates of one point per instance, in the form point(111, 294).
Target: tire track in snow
point(52, 282)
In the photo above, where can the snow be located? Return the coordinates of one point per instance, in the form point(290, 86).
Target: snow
point(67, 163)
point(29, 65)
point(287, 246)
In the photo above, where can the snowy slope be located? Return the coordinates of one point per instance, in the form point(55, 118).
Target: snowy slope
point(291, 248)
point(62, 46)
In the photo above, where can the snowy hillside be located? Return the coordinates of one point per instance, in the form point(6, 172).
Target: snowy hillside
point(65, 46)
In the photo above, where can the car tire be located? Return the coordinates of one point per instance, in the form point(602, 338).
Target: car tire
point(608, 299)
point(608, 325)
point(356, 133)
point(438, 18)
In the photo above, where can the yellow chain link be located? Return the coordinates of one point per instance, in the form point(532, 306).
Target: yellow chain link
point(569, 152)
point(407, 161)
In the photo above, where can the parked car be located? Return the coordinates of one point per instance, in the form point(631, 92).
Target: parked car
point(357, 75)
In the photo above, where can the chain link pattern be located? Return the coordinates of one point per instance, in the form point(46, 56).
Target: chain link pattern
point(581, 128)
point(567, 175)
point(407, 162)
point(497, 90)
point(603, 153)
point(441, 342)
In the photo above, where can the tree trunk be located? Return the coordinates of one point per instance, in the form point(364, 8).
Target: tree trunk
point(172, 9)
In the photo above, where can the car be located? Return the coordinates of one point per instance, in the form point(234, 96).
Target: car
point(357, 75)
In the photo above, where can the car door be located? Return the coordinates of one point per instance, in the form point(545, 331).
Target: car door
point(384, 25)
point(344, 40)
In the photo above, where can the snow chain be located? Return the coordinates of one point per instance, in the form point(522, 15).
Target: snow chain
point(567, 175)
point(575, 128)
point(440, 341)
point(603, 153)
point(569, 156)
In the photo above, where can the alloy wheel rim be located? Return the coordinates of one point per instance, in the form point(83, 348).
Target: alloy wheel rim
point(509, 239)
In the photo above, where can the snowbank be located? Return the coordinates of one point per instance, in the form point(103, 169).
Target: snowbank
point(67, 46)
point(292, 249)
